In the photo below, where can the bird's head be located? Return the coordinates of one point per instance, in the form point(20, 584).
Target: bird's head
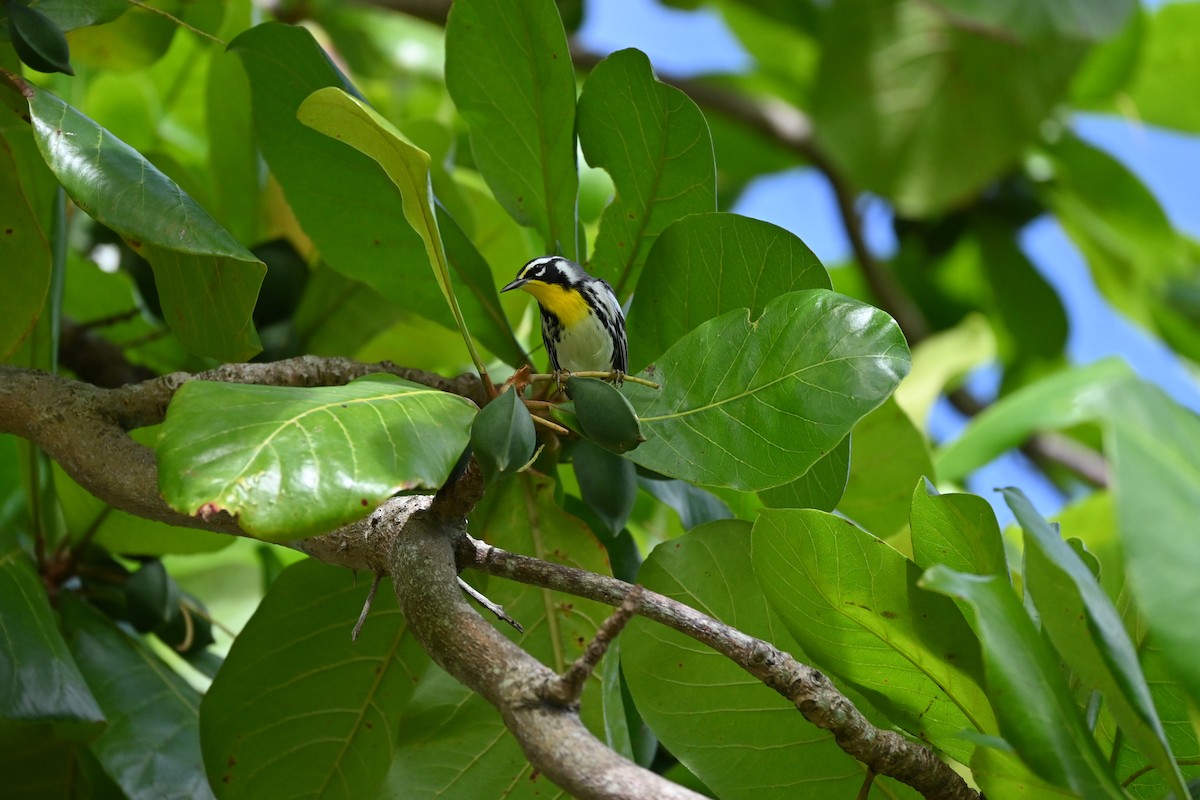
point(555, 282)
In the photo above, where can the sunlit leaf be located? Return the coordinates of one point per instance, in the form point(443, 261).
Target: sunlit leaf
point(1166, 66)
point(911, 652)
point(653, 141)
point(509, 71)
point(958, 530)
point(297, 462)
point(752, 401)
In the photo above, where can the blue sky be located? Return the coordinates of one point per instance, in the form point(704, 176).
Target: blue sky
point(696, 42)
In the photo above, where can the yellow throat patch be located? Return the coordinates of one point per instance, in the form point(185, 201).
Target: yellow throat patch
point(566, 304)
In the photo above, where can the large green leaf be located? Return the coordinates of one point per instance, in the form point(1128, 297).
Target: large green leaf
point(853, 604)
point(233, 157)
point(706, 265)
point(958, 530)
point(452, 743)
point(1033, 703)
point(151, 746)
point(300, 710)
point(509, 71)
point(888, 455)
point(752, 401)
point(1167, 68)
point(1088, 631)
point(1143, 266)
point(346, 119)
point(38, 678)
point(821, 487)
point(1090, 20)
point(207, 281)
point(1154, 445)
point(291, 462)
point(1059, 401)
point(896, 82)
point(742, 739)
point(652, 139)
point(24, 246)
point(345, 203)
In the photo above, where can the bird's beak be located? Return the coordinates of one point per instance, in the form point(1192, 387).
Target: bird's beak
point(517, 284)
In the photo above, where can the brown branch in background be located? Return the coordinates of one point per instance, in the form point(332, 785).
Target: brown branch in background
point(569, 687)
point(95, 359)
point(884, 752)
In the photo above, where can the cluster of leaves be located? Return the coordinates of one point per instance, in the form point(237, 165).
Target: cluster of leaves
point(1047, 676)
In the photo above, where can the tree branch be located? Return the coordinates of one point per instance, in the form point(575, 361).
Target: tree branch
point(551, 735)
point(884, 752)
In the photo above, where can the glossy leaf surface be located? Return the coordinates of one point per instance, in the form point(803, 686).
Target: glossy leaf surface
point(751, 402)
point(290, 462)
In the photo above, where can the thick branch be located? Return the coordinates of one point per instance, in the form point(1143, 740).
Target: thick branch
point(86, 430)
point(552, 736)
point(884, 752)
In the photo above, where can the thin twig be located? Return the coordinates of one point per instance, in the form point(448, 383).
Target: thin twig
point(568, 687)
point(362, 617)
point(495, 608)
point(542, 377)
point(554, 426)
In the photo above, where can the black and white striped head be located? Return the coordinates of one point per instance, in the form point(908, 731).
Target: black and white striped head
point(552, 270)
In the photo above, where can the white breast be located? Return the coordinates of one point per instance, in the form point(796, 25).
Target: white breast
point(585, 347)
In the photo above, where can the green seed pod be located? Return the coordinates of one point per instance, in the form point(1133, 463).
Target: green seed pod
point(605, 415)
point(502, 436)
point(37, 40)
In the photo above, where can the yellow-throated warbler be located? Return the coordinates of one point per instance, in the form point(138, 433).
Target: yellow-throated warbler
point(582, 323)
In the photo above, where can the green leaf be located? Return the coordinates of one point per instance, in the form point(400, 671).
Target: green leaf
point(1137, 258)
point(853, 603)
point(1087, 20)
point(821, 487)
point(302, 461)
point(206, 280)
point(70, 15)
point(38, 41)
point(509, 71)
point(888, 455)
point(751, 402)
point(737, 735)
point(653, 141)
point(233, 157)
point(345, 203)
point(896, 80)
point(299, 709)
point(1059, 401)
point(38, 678)
point(1154, 445)
point(151, 746)
point(607, 483)
point(706, 265)
point(502, 436)
point(958, 530)
point(1033, 703)
point(1003, 776)
point(940, 360)
point(24, 246)
point(695, 506)
point(1167, 67)
point(1088, 632)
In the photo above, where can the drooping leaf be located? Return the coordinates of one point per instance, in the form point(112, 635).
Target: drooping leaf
point(509, 71)
point(206, 280)
point(652, 140)
point(706, 265)
point(39, 680)
point(38, 40)
point(695, 506)
point(1088, 631)
point(738, 736)
point(502, 436)
point(151, 747)
point(607, 482)
point(301, 461)
point(887, 456)
point(299, 709)
point(343, 200)
point(751, 402)
point(895, 82)
point(1034, 706)
point(910, 652)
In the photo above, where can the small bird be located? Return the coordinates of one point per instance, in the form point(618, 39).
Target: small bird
point(582, 323)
